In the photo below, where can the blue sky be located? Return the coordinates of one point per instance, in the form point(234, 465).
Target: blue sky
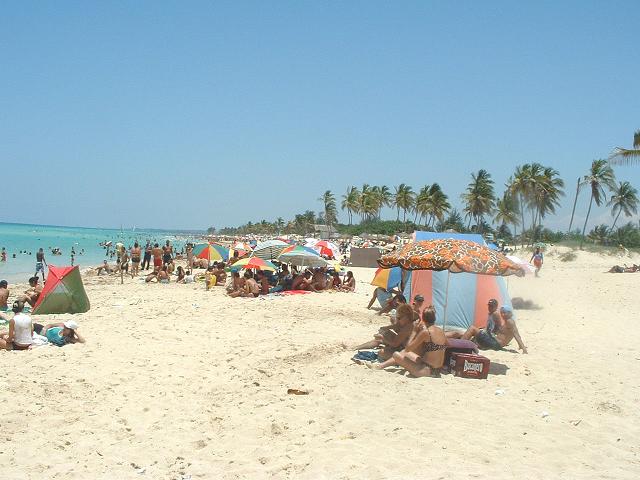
point(190, 114)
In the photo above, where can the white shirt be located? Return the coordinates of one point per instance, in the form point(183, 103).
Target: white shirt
point(22, 329)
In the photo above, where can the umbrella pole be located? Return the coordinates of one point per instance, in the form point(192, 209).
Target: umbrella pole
point(446, 301)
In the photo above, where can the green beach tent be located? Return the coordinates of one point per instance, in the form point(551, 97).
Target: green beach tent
point(63, 292)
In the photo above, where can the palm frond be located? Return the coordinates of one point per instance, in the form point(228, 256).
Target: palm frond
point(623, 156)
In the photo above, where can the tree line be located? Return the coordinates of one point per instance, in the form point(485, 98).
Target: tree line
point(532, 193)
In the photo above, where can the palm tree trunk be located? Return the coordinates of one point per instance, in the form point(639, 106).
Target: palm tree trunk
point(616, 220)
point(584, 228)
point(522, 215)
point(575, 201)
point(398, 214)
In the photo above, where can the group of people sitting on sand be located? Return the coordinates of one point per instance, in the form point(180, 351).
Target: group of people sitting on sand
point(23, 334)
point(251, 284)
point(29, 297)
point(413, 341)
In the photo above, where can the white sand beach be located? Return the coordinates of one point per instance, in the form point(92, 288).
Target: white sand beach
point(175, 383)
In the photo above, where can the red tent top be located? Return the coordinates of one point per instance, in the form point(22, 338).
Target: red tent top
point(55, 276)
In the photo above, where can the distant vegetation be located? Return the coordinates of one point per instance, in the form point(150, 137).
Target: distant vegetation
point(516, 215)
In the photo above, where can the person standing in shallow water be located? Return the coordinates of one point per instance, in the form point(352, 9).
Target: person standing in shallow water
point(40, 263)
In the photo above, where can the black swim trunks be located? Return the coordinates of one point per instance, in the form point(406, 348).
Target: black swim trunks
point(487, 341)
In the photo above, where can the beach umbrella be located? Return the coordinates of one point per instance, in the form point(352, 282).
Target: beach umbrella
point(270, 249)
point(454, 256)
point(526, 266)
point(387, 278)
point(335, 264)
point(211, 252)
point(253, 262)
point(329, 249)
point(302, 257)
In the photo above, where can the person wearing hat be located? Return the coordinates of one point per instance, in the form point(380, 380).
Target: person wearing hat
point(499, 332)
point(20, 336)
point(418, 302)
point(60, 334)
point(484, 337)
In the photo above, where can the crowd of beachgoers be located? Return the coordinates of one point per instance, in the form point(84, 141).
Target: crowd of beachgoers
point(165, 264)
point(410, 340)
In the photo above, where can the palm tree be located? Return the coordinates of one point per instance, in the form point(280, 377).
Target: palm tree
point(330, 210)
point(437, 204)
point(518, 185)
point(398, 193)
point(279, 225)
point(368, 202)
point(624, 199)
point(507, 210)
point(575, 201)
point(546, 190)
point(385, 198)
point(479, 198)
point(600, 175)
point(404, 199)
point(623, 156)
point(422, 203)
point(351, 202)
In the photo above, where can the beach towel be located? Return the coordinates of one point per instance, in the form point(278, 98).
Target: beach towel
point(295, 292)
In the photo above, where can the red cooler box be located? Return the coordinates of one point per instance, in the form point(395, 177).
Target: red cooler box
point(468, 365)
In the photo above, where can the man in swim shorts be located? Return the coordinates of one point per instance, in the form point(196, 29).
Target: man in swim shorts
point(157, 255)
point(167, 253)
point(484, 337)
point(40, 263)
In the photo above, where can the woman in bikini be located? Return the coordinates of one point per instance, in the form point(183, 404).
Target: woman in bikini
point(136, 251)
point(424, 354)
point(349, 283)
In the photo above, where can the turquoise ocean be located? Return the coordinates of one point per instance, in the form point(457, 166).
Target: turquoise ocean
point(17, 238)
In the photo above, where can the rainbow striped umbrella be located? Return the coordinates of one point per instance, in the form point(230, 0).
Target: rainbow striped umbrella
point(211, 251)
point(253, 262)
point(387, 278)
point(302, 256)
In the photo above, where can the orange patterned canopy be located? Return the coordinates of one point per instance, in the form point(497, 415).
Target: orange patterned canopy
point(453, 255)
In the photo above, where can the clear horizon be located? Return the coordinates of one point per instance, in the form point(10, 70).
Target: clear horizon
point(182, 117)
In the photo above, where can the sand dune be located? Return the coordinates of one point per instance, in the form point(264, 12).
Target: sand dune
point(176, 382)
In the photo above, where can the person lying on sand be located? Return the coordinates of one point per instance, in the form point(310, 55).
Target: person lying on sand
point(392, 338)
point(349, 282)
point(424, 354)
point(495, 336)
point(20, 335)
point(624, 269)
point(60, 334)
